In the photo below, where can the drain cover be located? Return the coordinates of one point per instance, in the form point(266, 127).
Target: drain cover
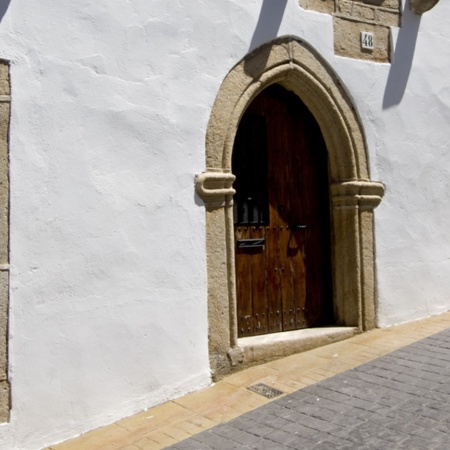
point(263, 389)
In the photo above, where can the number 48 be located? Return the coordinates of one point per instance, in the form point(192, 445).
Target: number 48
point(367, 40)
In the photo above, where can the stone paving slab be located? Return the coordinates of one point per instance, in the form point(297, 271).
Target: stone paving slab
point(400, 400)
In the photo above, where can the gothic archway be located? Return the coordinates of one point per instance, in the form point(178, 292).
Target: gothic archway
point(297, 67)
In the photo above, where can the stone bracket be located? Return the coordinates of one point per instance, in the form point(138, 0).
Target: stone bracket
point(214, 188)
point(421, 6)
point(361, 193)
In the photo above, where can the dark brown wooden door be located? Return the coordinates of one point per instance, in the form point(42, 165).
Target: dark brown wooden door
point(281, 215)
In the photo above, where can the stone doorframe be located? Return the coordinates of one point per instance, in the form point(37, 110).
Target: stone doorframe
point(297, 67)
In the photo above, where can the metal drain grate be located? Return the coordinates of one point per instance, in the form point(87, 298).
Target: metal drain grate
point(266, 391)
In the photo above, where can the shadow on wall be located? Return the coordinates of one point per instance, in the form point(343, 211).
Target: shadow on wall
point(266, 30)
point(3, 8)
point(403, 58)
point(269, 22)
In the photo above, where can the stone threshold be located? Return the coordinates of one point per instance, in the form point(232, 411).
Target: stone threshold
point(258, 349)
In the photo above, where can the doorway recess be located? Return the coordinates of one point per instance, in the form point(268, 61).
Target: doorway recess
point(297, 68)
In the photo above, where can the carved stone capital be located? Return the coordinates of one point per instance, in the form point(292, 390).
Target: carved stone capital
point(215, 188)
point(361, 193)
point(421, 6)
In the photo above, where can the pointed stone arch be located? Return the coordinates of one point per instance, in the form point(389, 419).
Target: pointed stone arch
point(297, 67)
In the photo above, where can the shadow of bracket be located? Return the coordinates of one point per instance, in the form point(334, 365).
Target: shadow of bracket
point(267, 27)
point(403, 56)
point(269, 22)
point(3, 8)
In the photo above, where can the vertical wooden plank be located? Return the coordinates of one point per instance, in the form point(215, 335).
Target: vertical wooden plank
point(288, 276)
point(244, 285)
point(283, 123)
point(297, 214)
point(319, 306)
point(299, 275)
point(274, 306)
point(287, 200)
point(259, 284)
point(275, 279)
point(251, 213)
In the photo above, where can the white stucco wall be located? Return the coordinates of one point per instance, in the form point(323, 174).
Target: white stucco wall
point(406, 114)
point(110, 103)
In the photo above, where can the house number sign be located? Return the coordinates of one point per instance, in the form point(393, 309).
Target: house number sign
point(367, 41)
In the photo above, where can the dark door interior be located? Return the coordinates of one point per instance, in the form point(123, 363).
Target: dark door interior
point(281, 215)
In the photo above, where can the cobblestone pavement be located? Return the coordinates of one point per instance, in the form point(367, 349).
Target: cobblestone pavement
point(401, 400)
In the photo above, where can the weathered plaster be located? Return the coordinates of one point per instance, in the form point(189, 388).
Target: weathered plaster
point(110, 107)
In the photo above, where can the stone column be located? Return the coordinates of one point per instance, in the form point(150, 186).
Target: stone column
point(215, 188)
point(353, 256)
point(4, 238)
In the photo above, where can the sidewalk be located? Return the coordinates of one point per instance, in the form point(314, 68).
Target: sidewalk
point(400, 400)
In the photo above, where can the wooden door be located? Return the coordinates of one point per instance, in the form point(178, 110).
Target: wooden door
point(281, 215)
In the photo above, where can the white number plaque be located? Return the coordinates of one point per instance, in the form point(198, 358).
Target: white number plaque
point(367, 41)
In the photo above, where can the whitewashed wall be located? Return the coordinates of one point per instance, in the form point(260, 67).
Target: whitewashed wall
point(110, 103)
point(405, 108)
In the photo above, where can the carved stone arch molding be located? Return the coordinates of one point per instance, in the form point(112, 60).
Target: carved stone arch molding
point(296, 66)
